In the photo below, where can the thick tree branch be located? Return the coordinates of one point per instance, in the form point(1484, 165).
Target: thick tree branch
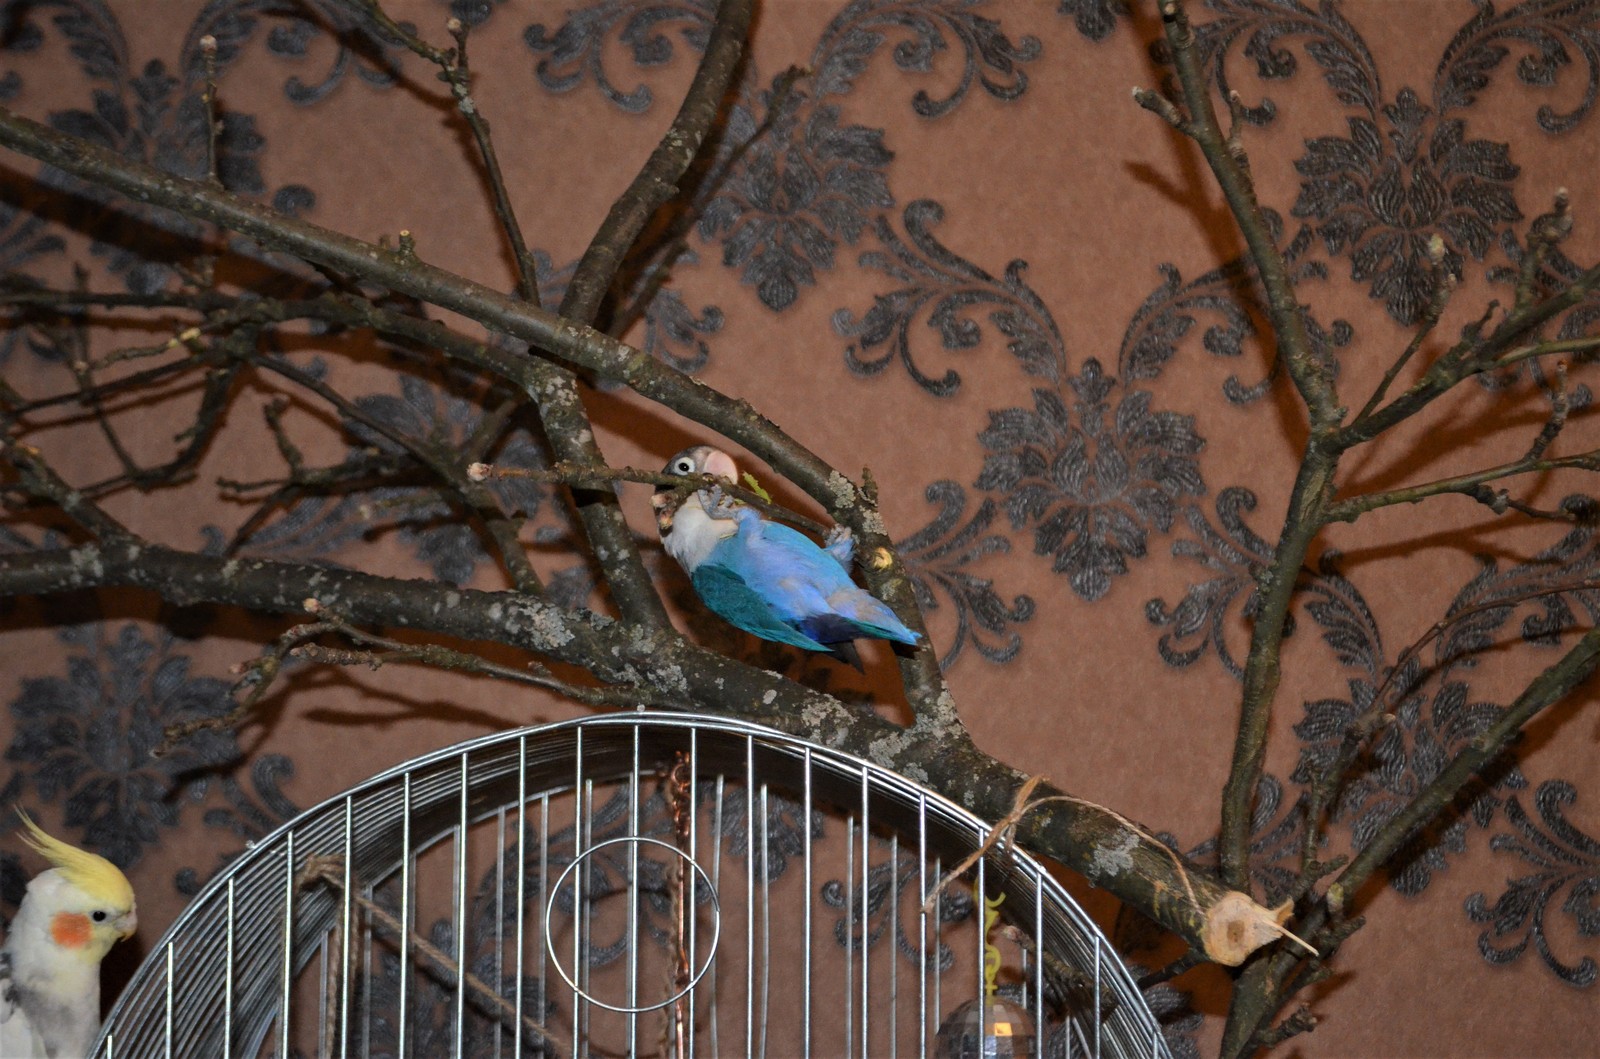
point(1314, 483)
point(555, 393)
point(567, 425)
point(1266, 985)
point(642, 651)
point(656, 183)
point(1271, 979)
point(1091, 840)
point(625, 573)
point(577, 345)
point(1329, 780)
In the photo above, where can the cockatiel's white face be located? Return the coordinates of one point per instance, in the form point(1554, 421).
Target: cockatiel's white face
point(83, 924)
point(84, 904)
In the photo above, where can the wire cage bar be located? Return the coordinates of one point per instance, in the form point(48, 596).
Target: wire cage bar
point(639, 884)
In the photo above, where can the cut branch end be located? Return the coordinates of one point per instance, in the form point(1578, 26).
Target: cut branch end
point(1236, 926)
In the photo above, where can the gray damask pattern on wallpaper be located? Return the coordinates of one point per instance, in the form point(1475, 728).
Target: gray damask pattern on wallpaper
point(1097, 466)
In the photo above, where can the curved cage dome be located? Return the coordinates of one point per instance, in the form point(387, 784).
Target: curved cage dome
point(634, 884)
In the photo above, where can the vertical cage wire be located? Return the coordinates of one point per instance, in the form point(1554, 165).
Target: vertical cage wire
point(637, 884)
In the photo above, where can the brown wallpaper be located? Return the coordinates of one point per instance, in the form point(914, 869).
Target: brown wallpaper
point(959, 241)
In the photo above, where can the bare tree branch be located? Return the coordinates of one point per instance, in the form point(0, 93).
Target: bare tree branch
point(1472, 485)
point(1314, 484)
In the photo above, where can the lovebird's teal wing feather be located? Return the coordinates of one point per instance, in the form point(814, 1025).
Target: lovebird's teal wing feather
point(732, 599)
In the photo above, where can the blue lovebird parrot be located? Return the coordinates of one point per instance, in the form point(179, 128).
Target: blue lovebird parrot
point(763, 577)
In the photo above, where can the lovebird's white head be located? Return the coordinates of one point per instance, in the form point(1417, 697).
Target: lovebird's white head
point(75, 910)
point(687, 532)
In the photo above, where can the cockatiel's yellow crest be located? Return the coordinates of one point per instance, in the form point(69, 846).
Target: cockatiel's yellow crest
point(89, 872)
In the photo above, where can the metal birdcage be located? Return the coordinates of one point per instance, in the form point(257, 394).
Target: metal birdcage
point(635, 884)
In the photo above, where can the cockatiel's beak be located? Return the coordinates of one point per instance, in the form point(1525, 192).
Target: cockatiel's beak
point(126, 923)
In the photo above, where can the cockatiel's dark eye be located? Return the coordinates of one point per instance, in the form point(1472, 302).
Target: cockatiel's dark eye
point(98, 916)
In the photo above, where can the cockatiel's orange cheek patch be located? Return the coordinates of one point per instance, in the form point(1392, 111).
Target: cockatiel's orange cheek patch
point(70, 929)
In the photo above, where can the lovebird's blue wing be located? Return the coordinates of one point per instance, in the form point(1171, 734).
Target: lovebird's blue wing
point(837, 599)
point(805, 550)
point(731, 598)
point(768, 572)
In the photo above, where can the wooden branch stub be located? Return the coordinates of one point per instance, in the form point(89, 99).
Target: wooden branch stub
point(1236, 926)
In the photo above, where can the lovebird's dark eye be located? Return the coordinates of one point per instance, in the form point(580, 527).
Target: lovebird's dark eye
point(683, 466)
point(98, 916)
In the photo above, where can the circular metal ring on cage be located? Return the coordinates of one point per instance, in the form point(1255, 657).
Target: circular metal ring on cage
point(711, 951)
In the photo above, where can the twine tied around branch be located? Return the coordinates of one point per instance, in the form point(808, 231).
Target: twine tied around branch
point(1005, 828)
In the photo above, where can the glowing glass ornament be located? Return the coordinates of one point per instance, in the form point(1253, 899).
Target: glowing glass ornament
point(990, 1027)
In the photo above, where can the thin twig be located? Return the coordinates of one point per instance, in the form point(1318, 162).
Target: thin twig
point(1586, 344)
point(1444, 285)
point(41, 481)
point(1547, 232)
point(1191, 959)
point(1301, 1021)
point(458, 75)
point(1327, 784)
point(1353, 507)
point(567, 474)
point(257, 677)
point(1560, 405)
point(455, 71)
point(1161, 107)
point(208, 100)
point(442, 461)
point(1477, 353)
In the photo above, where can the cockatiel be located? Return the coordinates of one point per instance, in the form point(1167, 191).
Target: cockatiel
point(763, 577)
point(50, 964)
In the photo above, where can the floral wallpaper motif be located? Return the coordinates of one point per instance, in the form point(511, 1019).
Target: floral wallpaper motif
point(86, 737)
point(1087, 465)
point(1563, 860)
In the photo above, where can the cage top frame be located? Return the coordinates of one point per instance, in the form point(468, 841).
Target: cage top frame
point(468, 782)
